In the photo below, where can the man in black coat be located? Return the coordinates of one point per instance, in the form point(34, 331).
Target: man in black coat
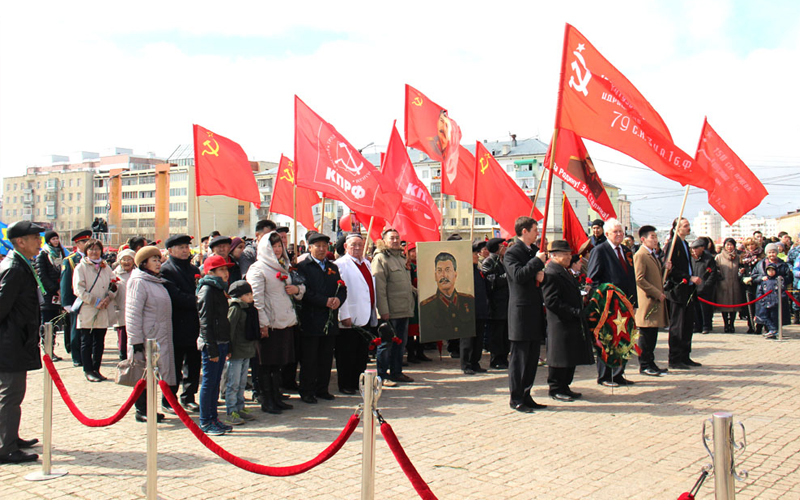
point(524, 265)
point(20, 295)
point(497, 288)
point(567, 346)
point(471, 348)
point(319, 327)
point(612, 262)
point(181, 285)
point(71, 337)
point(680, 289)
point(705, 266)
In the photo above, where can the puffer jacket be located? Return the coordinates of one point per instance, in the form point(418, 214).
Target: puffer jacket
point(212, 305)
point(83, 279)
point(119, 302)
point(241, 348)
point(48, 268)
point(393, 291)
point(274, 305)
point(19, 316)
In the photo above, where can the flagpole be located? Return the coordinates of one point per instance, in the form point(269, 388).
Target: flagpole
point(674, 234)
point(294, 217)
point(549, 189)
point(369, 231)
point(538, 188)
point(441, 202)
point(474, 193)
point(322, 216)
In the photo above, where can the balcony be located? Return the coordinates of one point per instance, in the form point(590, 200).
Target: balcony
point(523, 174)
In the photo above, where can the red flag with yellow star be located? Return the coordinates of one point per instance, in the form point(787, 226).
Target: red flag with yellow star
point(222, 168)
point(282, 196)
point(496, 193)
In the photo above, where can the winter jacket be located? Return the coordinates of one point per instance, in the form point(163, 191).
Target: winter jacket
point(19, 316)
point(275, 307)
point(241, 348)
point(120, 300)
point(83, 279)
point(68, 266)
point(48, 267)
point(148, 315)
point(320, 286)
point(181, 285)
point(212, 305)
point(394, 295)
point(357, 306)
point(497, 286)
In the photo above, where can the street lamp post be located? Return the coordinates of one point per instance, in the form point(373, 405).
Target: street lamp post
point(215, 212)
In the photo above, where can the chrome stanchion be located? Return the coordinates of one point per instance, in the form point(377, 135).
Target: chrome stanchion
point(724, 444)
point(47, 417)
point(370, 390)
point(151, 351)
point(780, 307)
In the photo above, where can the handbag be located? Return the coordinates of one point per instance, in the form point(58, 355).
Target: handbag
point(130, 371)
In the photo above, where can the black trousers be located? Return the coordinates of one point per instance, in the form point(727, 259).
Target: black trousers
point(499, 345)
point(92, 346)
point(12, 392)
point(187, 373)
point(559, 379)
point(681, 321)
point(648, 337)
point(703, 314)
point(72, 337)
point(316, 360)
point(471, 348)
point(352, 351)
point(289, 371)
point(522, 369)
point(604, 373)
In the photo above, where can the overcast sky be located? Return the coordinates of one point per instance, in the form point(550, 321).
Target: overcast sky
point(93, 75)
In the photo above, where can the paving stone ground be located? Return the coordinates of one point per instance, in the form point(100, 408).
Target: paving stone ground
point(638, 442)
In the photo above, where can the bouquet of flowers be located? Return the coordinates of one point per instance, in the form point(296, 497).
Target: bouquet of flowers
point(610, 318)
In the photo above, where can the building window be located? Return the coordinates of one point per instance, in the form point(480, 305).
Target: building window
point(62, 197)
point(177, 207)
point(177, 222)
point(130, 195)
point(147, 194)
point(129, 181)
point(241, 209)
point(70, 183)
point(178, 177)
point(147, 179)
point(15, 211)
point(452, 205)
point(464, 221)
point(147, 223)
point(79, 183)
point(146, 209)
point(129, 209)
point(38, 185)
point(102, 196)
point(177, 191)
point(62, 211)
point(70, 197)
point(453, 222)
point(79, 197)
point(241, 223)
point(99, 210)
point(464, 204)
point(69, 210)
point(435, 188)
point(425, 174)
point(78, 210)
point(62, 184)
point(38, 198)
point(38, 212)
point(480, 221)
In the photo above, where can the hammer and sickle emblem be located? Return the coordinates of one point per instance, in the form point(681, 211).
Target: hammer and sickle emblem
point(288, 175)
point(582, 79)
point(417, 101)
point(484, 163)
point(211, 150)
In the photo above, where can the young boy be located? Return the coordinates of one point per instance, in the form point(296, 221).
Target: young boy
point(214, 339)
point(243, 318)
point(767, 313)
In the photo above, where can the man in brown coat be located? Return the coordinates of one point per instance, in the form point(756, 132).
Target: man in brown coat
point(652, 312)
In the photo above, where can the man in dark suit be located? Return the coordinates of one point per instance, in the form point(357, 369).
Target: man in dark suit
point(68, 294)
point(680, 287)
point(318, 338)
point(612, 262)
point(524, 265)
point(702, 262)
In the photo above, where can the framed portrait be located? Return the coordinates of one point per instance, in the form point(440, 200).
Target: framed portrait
point(446, 290)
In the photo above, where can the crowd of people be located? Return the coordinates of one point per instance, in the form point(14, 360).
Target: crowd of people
point(239, 313)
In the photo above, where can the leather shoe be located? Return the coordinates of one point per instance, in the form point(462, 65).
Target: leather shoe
point(26, 443)
point(652, 372)
point(562, 397)
point(478, 369)
point(413, 359)
point(680, 366)
point(387, 382)
point(500, 366)
point(402, 378)
point(662, 370)
point(18, 457)
point(624, 381)
point(56, 357)
point(533, 404)
point(92, 377)
point(692, 362)
point(469, 371)
point(327, 396)
point(349, 392)
point(521, 408)
point(76, 364)
point(141, 417)
point(423, 357)
point(100, 375)
point(573, 394)
point(192, 407)
point(167, 409)
point(308, 398)
point(608, 383)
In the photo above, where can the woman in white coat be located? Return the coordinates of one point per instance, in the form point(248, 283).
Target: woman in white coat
point(93, 283)
point(274, 292)
point(148, 315)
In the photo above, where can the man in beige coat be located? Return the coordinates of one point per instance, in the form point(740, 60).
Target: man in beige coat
point(652, 312)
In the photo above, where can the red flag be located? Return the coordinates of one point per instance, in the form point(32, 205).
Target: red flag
point(574, 167)
point(222, 168)
point(571, 226)
point(430, 129)
point(598, 103)
point(496, 194)
point(377, 225)
point(282, 201)
point(737, 189)
point(418, 217)
point(326, 162)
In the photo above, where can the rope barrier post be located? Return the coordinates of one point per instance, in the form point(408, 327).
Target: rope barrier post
point(723, 456)
point(47, 417)
point(151, 351)
point(369, 383)
point(780, 307)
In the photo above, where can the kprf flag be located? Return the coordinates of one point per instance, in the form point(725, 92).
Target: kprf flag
point(222, 168)
point(598, 103)
point(418, 217)
point(430, 129)
point(496, 194)
point(328, 163)
point(737, 190)
point(571, 226)
point(574, 167)
point(282, 196)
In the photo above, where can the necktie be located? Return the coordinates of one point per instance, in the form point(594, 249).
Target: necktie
point(622, 259)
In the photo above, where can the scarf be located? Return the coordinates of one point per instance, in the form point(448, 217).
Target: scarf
point(56, 255)
point(730, 255)
point(210, 280)
point(35, 274)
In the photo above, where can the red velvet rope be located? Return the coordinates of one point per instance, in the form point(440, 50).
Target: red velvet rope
point(422, 488)
point(792, 297)
point(686, 496)
point(90, 422)
point(250, 466)
point(734, 305)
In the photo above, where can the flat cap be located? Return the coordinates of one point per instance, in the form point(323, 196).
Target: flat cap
point(494, 244)
point(23, 228)
point(239, 288)
point(698, 243)
point(282, 229)
point(315, 237)
point(560, 246)
point(478, 246)
point(82, 235)
point(598, 222)
point(218, 240)
point(178, 239)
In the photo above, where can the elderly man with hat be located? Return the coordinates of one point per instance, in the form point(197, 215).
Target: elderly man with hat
point(179, 273)
point(705, 266)
point(20, 294)
point(48, 267)
point(318, 319)
point(235, 252)
point(497, 289)
point(568, 343)
point(598, 235)
point(72, 341)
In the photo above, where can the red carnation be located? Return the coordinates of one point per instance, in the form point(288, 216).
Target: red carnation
point(281, 277)
point(708, 269)
point(197, 276)
point(683, 281)
point(340, 283)
point(397, 340)
point(589, 281)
